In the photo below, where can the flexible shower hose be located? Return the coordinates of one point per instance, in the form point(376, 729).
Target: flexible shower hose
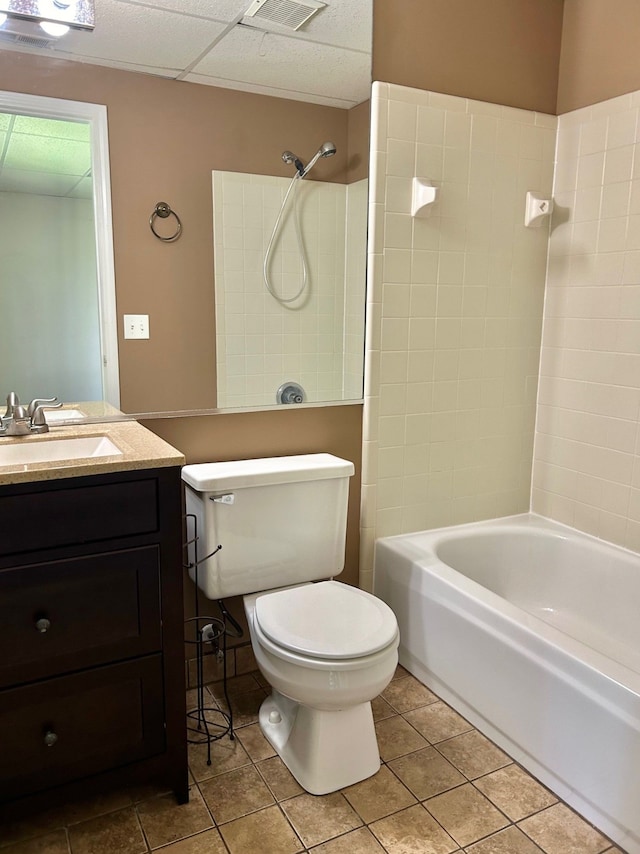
point(267, 255)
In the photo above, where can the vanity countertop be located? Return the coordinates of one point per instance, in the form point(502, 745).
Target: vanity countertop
point(140, 449)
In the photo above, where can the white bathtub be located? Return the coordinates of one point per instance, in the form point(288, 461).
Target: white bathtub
point(531, 631)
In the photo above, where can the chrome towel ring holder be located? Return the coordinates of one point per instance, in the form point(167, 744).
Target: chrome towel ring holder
point(163, 211)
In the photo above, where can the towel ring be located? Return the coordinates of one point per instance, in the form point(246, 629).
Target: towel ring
point(163, 210)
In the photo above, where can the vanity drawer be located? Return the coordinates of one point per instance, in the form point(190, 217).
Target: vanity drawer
point(74, 726)
point(60, 516)
point(67, 615)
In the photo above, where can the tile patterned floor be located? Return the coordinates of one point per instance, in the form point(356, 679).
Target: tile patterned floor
point(443, 788)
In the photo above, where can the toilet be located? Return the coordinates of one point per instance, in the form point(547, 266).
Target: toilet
point(326, 648)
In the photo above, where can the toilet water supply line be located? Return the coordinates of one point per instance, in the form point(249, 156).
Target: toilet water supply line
point(327, 149)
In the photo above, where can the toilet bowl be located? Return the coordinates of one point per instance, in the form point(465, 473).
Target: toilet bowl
point(273, 531)
point(326, 649)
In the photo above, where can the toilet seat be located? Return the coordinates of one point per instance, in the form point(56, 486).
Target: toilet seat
point(327, 621)
point(333, 665)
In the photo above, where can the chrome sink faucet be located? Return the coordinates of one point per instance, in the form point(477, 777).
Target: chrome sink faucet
point(19, 420)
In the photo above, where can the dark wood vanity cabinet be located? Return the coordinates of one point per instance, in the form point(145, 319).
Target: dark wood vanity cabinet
point(91, 635)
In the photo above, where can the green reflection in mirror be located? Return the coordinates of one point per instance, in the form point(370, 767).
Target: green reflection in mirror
point(45, 156)
point(49, 322)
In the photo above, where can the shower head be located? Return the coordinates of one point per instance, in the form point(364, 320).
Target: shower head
point(290, 157)
point(327, 149)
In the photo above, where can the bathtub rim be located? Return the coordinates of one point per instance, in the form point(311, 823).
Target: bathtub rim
point(526, 521)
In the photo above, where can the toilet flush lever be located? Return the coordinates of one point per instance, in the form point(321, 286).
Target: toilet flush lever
point(227, 498)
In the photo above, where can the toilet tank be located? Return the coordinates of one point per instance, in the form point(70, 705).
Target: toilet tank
point(280, 521)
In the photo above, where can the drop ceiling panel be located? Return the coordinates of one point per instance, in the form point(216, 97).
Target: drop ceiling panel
point(63, 156)
point(223, 11)
point(141, 36)
point(267, 59)
point(38, 126)
point(347, 23)
point(220, 10)
point(342, 24)
point(272, 91)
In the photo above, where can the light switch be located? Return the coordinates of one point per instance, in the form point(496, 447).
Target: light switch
point(136, 325)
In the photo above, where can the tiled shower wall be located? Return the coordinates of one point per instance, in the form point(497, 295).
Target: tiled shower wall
point(454, 312)
point(260, 342)
point(587, 468)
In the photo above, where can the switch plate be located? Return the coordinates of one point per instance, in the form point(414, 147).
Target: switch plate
point(136, 325)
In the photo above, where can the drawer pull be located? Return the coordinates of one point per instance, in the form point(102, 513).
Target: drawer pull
point(43, 625)
point(50, 738)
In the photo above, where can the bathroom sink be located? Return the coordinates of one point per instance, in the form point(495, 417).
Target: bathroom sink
point(54, 450)
point(54, 416)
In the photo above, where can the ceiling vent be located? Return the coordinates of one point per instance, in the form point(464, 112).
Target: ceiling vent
point(291, 14)
point(25, 34)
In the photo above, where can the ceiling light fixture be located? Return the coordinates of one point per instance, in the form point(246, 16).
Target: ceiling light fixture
point(55, 30)
point(55, 17)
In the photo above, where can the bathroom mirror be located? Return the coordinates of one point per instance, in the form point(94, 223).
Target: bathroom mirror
point(130, 387)
point(58, 318)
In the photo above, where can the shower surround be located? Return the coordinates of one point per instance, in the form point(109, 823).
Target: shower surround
point(454, 312)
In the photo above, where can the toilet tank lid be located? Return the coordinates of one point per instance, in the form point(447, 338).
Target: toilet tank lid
point(236, 474)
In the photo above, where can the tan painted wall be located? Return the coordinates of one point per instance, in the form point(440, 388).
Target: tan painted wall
point(599, 57)
point(503, 51)
point(358, 123)
point(546, 55)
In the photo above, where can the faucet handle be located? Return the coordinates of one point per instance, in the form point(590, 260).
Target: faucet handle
point(38, 420)
point(12, 401)
point(49, 402)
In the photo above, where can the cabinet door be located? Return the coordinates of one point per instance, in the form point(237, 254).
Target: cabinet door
point(66, 615)
point(74, 726)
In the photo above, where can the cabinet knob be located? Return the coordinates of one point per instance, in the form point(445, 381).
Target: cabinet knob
point(50, 738)
point(43, 625)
